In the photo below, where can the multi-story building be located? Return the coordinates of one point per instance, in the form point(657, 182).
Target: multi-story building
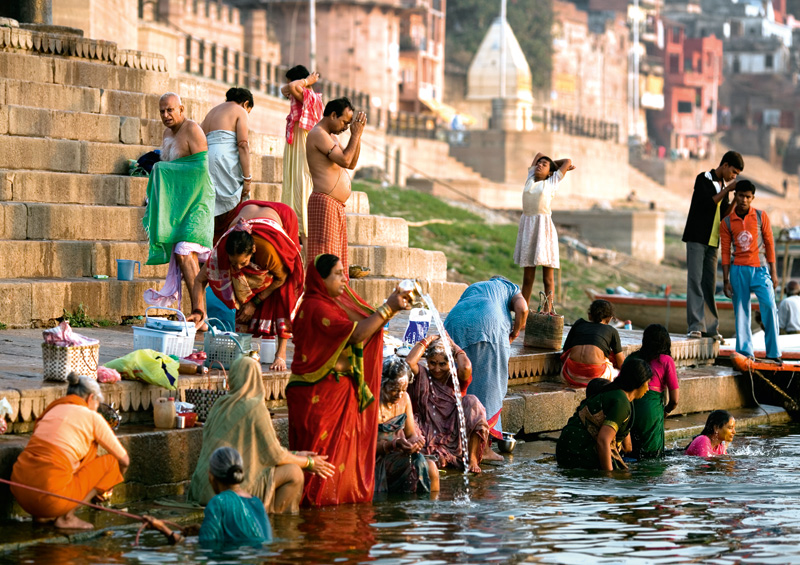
point(422, 32)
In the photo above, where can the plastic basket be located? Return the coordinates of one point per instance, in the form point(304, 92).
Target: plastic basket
point(178, 343)
point(60, 361)
point(225, 348)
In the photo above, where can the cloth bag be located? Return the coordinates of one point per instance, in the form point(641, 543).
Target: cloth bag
point(543, 329)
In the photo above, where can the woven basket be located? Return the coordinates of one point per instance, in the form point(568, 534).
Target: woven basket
point(204, 398)
point(59, 361)
point(544, 330)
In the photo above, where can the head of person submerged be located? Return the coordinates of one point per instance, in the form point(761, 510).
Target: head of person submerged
point(240, 247)
point(745, 193)
point(601, 311)
point(331, 270)
point(395, 377)
point(720, 425)
point(85, 387)
point(730, 166)
point(241, 96)
point(339, 114)
point(225, 469)
point(171, 109)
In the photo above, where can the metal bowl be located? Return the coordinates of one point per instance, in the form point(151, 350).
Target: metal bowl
point(508, 443)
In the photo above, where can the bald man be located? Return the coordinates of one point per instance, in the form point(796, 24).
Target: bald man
point(180, 213)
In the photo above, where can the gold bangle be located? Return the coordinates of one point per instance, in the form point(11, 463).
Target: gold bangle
point(385, 312)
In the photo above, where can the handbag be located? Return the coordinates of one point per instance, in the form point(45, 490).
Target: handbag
point(204, 398)
point(543, 329)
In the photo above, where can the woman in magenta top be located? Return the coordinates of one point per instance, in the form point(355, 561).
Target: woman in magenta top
point(715, 437)
point(647, 432)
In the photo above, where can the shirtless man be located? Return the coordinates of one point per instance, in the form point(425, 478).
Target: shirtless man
point(327, 161)
point(182, 138)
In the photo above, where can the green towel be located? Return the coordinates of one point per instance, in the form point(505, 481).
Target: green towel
point(180, 206)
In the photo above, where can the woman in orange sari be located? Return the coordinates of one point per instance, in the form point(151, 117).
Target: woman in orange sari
point(256, 268)
point(336, 373)
point(61, 457)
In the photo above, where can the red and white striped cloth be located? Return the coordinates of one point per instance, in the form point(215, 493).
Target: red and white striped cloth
point(307, 113)
point(327, 228)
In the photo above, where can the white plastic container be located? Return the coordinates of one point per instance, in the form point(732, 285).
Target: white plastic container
point(164, 412)
point(268, 348)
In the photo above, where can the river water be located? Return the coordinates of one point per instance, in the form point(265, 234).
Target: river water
point(739, 509)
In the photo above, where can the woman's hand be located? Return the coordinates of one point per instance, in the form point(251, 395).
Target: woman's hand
point(398, 300)
point(246, 312)
point(513, 335)
point(279, 364)
point(418, 441)
point(321, 466)
point(312, 78)
point(406, 446)
point(198, 317)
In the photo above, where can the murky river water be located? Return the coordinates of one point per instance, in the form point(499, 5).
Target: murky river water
point(741, 509)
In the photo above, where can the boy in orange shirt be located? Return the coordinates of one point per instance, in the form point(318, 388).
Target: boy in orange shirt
point(750, 233)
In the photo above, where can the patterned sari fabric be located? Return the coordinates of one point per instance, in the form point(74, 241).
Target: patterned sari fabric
point(434, 405)
point(577, 444)
point(273, 316)
point(334, 413)
point(397, 472)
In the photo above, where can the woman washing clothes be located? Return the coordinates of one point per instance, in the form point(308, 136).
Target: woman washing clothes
point(434, 403)
point(537, 240)
point(400, 467)
point(61, 457)
point(256, 269)
point(592, 349)
point(598, 431)
point(716, 435)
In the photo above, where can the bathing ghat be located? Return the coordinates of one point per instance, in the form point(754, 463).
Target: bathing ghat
point(537, 405)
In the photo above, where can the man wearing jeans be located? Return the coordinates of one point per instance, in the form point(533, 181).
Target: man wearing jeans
point(710, 203)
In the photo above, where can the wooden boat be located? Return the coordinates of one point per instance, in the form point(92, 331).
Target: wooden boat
point(643, 310)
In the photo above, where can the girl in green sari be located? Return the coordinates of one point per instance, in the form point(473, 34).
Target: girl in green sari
point(647, 434)
point(598, 431)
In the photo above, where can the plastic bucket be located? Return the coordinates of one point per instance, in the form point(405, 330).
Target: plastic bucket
point(125, 269)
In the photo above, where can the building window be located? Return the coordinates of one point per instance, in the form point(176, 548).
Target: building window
point(676, 34)
point(737, 66)
point(684, 107)
point(768, 61)
point(674, 63)
point(687, 65)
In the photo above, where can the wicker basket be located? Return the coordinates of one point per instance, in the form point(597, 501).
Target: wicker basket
point(179, 343)
point(59, 361)
point(225, 348)
point(544, 330)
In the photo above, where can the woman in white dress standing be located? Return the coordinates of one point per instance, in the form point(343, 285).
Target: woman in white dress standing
point(537, 240)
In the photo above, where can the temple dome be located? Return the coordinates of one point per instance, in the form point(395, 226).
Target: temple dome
point(483, 77)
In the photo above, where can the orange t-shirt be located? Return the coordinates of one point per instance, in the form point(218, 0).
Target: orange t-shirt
point(73, 429)
point(743, 233)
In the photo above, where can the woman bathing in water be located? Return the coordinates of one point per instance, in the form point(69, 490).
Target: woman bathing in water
point(434, 404)
point(716, 435)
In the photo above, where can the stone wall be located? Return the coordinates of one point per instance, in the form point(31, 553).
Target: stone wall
point(111, 20)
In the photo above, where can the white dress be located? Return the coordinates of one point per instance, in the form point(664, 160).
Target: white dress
point(537, 240)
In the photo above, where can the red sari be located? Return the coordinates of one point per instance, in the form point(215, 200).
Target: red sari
point(273, 315)
point(334, 413)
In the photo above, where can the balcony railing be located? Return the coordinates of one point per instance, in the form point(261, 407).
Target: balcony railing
point(579, 125)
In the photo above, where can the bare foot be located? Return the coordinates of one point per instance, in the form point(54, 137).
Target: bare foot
point(72, 522)
point(474, 467)
point(43, 520)
point(490, 455)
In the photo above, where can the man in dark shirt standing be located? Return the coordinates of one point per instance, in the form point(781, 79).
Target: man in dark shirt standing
point(710, 203)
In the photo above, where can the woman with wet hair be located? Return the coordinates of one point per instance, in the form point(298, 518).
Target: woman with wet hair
point(647, 435)
point(61, 457)
point(716, 435)
point(433, 398)
point(592, 349)
point(400, 467)
point(233, 516)
point(598, 431)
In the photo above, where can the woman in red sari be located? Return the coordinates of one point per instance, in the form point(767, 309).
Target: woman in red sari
point(257, 269)
point(336, 373)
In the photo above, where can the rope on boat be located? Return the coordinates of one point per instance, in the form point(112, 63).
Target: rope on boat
point(792, 403)
point(95, 506)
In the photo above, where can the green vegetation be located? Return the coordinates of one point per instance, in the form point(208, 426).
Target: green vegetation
point(80, 319)
point(3, 326)
point(532, 23)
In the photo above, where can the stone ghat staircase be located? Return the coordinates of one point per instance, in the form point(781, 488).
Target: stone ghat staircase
point(68, 210)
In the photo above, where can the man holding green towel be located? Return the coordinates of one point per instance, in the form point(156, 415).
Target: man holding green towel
point(179, 220)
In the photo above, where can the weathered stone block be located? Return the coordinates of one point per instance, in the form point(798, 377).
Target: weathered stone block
point(375, 290)
point(151, 132)
point(6, 185)
point(26, 67)
point(376, 230)
point(267, 168)
point(109, 158)
point(15, 303)
point(65, 188)
point(46, 259)
point(117, 103)
point(40, 154)
point(58, 221)
point(548, 406)
point(106, 254)
point(53, 96)
point(271, 192)
point(37, 122)
point(358, 203)
point(129, 130)
point(132, 191)
point(3, 120)
point(15, 220)
point(401, 262)
point(82, 73)
point(3, 91)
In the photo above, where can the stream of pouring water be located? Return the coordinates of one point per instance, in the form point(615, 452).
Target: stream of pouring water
point(462, 423)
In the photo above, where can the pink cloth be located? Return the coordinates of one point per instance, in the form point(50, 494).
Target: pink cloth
point(664, 372)
point(63, 336)
point(106, 375)
point(306, 113)
point(701, 447)
point(171, 292)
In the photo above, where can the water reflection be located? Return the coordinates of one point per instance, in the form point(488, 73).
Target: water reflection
point(743, 509)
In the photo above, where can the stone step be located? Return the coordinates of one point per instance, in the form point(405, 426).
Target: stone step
point(402, 262)
point(73, 156)
point(376, 289)
point(88, 189)
point(32, 302)
point(49, 221)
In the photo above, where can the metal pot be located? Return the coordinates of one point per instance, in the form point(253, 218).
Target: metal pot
point(415, 296)
point(508, 443)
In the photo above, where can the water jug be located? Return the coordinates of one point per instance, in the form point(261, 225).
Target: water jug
point(268, 349)
point(125, 269)
point(419, 320)
point(164, 412)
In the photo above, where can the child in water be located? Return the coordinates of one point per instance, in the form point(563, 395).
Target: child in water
point(537, 240)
